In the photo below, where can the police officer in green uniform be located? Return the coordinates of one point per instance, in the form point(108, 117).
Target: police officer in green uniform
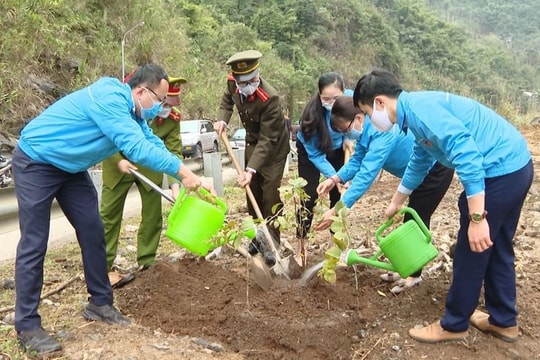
point(267, 142)
point(116, 185)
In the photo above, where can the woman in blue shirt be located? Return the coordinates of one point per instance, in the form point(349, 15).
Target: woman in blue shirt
point(320, 150)
point(375, 151)
point(495, 167)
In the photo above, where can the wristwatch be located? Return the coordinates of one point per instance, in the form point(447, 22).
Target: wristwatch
point(477, 217)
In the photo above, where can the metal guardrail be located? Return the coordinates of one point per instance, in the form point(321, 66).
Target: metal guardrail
point(8, 201)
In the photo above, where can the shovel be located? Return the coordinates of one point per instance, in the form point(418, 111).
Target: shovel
point(287, 267)
point(261, 273)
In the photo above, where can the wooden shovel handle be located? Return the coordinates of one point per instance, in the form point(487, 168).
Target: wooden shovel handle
point(250, 195)
point(240, 171)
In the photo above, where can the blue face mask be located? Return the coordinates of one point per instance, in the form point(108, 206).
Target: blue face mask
point(327, 106)
point(152, 112)
point(353, 134)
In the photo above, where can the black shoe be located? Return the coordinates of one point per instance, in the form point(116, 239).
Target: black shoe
point(38, 342)
point(147, 266)
point(254, 246)
point(260, 245)
point(105, 313)
point(269, 258)
point(4, 162)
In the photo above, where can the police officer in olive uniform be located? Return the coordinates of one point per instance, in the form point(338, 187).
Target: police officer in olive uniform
point(116, 185)
point(267, 140)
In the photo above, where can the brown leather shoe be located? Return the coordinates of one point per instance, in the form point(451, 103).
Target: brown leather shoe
point(479, 320)
point(434, 333)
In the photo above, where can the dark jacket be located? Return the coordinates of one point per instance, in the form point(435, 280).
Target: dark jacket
point(262, 117)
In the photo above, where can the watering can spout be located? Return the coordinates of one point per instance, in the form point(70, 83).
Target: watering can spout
point(407, 248)
point(351, 257)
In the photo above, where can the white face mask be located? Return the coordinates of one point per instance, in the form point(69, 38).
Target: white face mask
point(354, 133)
point(249, 89)
point(327, 106)
point(380, 119)
point(165, 112)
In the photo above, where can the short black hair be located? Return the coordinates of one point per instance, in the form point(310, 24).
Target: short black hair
point(149, 74)
point(343, 110)
point(376, 82)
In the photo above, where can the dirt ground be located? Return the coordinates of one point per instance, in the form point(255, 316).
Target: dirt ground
point(197, 309)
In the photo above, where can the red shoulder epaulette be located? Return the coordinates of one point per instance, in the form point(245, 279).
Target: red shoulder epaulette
point(263, 95)
point(175, 115)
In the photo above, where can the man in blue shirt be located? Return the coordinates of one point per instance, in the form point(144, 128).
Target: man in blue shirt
point(375, 151)
point(54, 151)
point(493, 163)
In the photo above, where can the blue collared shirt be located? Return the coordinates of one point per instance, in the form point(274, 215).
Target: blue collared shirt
point(374, 151)
point(316, 156)
point(461, 134)
point(91, 124)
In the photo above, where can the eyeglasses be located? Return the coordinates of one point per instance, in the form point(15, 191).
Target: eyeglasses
point(347, 129)
point(161, 101)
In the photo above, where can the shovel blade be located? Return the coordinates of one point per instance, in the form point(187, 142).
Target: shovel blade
point(261, 273)
point(287, 267)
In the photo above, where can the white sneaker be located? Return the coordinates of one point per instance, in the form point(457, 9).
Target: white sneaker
point(390, 277)
point(405, 284)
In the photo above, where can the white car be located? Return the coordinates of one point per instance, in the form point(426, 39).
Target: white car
point(238, 139)
point(198, 137)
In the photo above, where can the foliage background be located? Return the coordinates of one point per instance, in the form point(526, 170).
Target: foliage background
point(489, 50)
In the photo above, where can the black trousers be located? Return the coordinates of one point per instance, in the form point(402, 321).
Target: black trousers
point(308, 171)
point(265, 188)
point(425, 199)
point(37, 186)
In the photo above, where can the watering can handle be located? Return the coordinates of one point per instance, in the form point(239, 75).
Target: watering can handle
point(218, 201)
point(205, 193)
point(415, 216)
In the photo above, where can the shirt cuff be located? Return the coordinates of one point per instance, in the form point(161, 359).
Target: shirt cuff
point(402, 189)
point(250, 170)
point(480, 193)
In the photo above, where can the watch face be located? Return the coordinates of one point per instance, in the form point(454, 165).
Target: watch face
point(477, 217)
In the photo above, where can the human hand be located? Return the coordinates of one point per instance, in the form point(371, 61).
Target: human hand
point(391, 210)
point(209, 187)
point(348, 146)
point(325, 187)
point(188, 178)
point(220, 126)
point(343, 187)
point(125, 166)
point(244, 179)
point(327, 221)
point(479, 239)
point(175, 190)
point(395, 204)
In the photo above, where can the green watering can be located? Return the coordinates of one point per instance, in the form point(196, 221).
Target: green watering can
point(408, 247)
point(194, 220)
